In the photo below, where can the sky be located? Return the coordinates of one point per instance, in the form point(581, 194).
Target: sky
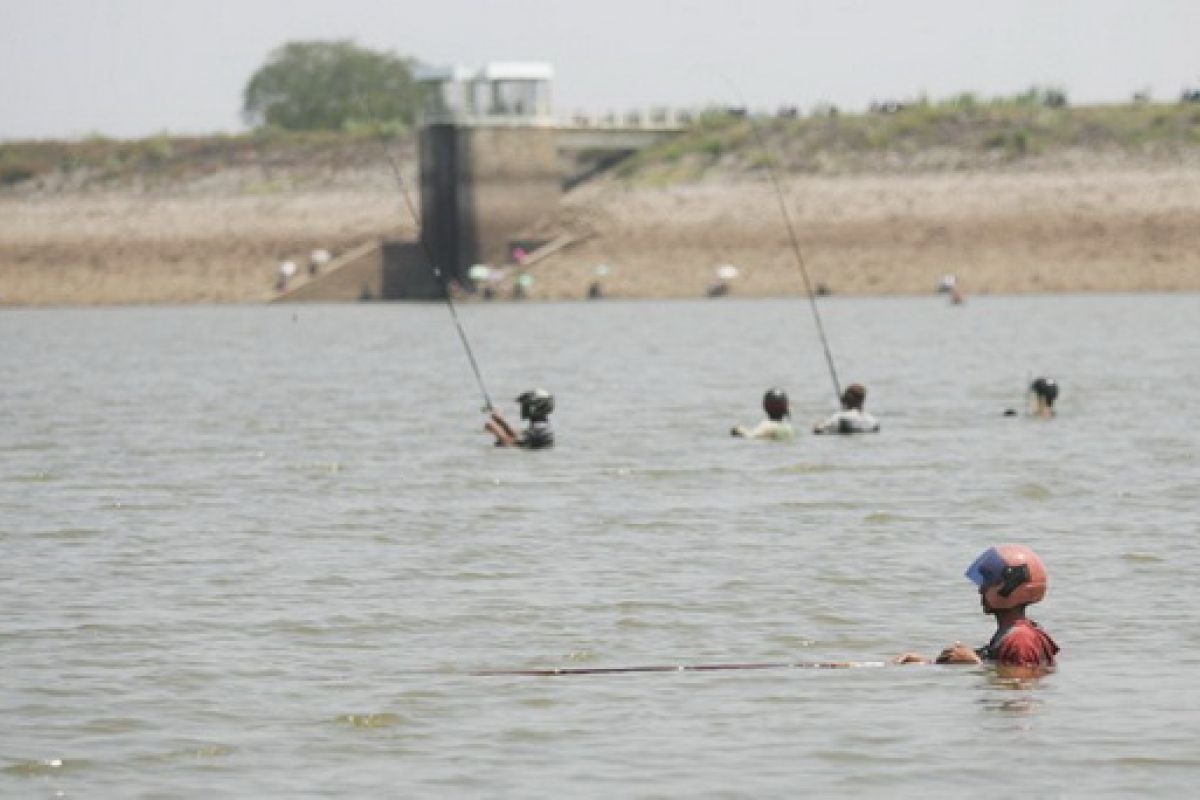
point(137, 68)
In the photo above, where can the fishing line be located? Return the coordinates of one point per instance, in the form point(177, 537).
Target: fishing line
point(437, 272)
point(795, 242)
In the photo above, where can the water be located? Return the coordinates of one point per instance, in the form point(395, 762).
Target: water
point(253, 551)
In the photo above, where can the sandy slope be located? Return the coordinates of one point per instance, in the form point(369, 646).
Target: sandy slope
point(1107, 230)
point(1085, 227)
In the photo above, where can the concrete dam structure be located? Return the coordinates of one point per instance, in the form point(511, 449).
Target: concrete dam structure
point(480, 185)
point(491, 164)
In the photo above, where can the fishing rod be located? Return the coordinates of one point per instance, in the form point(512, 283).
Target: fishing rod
point(437, 272)
point(563, 671)
point(795, 242)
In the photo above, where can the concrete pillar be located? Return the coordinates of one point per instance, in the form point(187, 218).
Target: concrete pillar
point(480, 186)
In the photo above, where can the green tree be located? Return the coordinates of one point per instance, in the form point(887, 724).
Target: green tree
point(307, 86)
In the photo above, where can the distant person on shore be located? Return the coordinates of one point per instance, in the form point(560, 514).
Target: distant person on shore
point(595, 291)
point(777, 426)
point(287, 270)
point(1010, 577)
point(317, 260)
point(852, 418)
point(522, 285)
point(717, 289)
point(1044, 392)
point(536, 406)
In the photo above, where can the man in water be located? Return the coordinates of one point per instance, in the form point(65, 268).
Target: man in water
point(1010, 577)
point(852, 418)
point(1045, 392)
point(536, 405)
point(777, 425)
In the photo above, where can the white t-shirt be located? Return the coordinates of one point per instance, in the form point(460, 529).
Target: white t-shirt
point(851, 421)
point(769, 429)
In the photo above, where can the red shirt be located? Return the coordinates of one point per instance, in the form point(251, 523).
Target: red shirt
point(1023, 644)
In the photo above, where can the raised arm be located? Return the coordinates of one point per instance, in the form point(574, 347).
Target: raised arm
point(499, 427)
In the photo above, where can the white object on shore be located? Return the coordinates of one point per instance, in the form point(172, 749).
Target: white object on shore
point(727, 272)
point(287, 269)
point(479, 272)
point(602, 270)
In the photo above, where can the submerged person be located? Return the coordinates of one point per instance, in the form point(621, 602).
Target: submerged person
point(777, 425)
point(852, 418)
point(536, 405)
point(1010, 577)
point(1045, 392)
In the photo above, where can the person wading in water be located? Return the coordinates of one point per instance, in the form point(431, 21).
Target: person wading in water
point(536, 405)
point(776, 426)
point(1045, 392)
point(852, 418)
point(1010, 577)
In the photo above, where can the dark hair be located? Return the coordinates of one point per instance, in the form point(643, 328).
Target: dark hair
point(775, 404)
point(1045, 388)
point(854, 396)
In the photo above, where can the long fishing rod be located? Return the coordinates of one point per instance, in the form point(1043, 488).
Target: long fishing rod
point(563, 671)
point(795, 241)
point(437, 272)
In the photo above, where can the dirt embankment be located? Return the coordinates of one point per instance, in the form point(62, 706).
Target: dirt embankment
point(1068, 220)
point(1107, 228)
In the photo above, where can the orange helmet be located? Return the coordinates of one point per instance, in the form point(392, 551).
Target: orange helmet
point(1008, 576)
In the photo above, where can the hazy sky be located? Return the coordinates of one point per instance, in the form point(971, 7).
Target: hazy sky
point(70, 68)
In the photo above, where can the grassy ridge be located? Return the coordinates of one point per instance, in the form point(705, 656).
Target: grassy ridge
point(164, 160)
point(952, 135)
point(957, 134)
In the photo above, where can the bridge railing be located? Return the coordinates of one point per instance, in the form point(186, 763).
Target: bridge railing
point(658, 118)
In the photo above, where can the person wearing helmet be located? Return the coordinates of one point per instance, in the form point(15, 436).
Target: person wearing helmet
point(777, 426)
point(1044, 392)
point(536, 405)
point(852, 418)
point(1009, 577)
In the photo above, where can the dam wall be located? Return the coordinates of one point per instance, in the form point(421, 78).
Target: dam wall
point(480, 185)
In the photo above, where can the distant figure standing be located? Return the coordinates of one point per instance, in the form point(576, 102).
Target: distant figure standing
point(1044, 392)
point(718, 289)
point(317, 261)
point(852, 418)
point(595, 292)
point(522, 285)
point(287, 269)
point(777, 426)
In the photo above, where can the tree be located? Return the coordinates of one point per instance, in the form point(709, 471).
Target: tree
point(306, 86)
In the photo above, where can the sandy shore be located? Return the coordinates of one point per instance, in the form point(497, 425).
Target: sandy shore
point(1113, 230)
point(1108, 228)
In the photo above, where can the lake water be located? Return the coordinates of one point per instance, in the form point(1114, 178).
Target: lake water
point(255, 551)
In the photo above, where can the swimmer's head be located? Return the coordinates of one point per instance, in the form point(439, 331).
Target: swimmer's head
point(536, 404)
point(1045, 389)
point(854, 396)
point(775, 404)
